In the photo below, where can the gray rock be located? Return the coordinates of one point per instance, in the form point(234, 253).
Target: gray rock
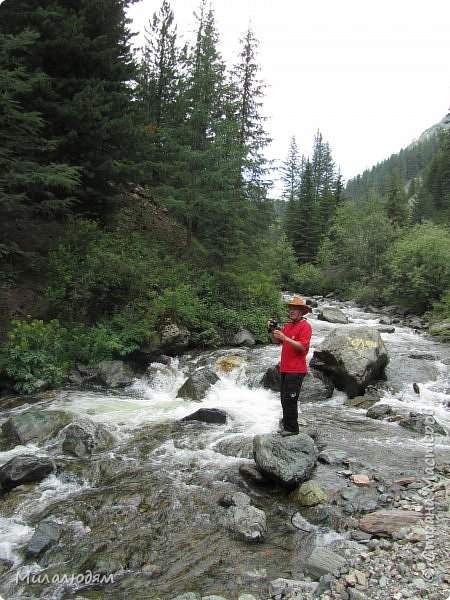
point(385, 320)
point(33, 425)
point(196, 386)
point(389, 329)
point(422, 424)
point(207, 415)
point(286, 588)
point(251, 473)
point(271, 379)
point(332, 457)
point(115, 373)
point(379, 411)
point(322, 561)
point(288, 461)
point(187, 596)
point(242, 337)
point(173, 340)
point(317, 386)
point(45, 535)
point(247, 522)
point(302, 524)
point(361, 401)
point(84, 437)
point(332, 315)
point(353, 357)
point(25, 469)
point(238, 446)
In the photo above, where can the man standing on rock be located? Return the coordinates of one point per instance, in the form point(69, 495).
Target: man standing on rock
point(295, 338)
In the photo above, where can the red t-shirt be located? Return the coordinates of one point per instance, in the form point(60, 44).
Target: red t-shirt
point(292, 360)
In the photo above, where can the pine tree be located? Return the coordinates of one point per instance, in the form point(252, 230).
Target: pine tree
point(83, 49)
point(291, 171)
point(249, 91)
point(396, 205)
point(33, 183)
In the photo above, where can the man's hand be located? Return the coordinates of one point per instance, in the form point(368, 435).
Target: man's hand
point(279, 335)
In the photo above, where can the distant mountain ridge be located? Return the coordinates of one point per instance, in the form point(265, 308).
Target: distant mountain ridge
point(407, 164)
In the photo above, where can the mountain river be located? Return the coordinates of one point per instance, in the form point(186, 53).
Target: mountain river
point(147, 513)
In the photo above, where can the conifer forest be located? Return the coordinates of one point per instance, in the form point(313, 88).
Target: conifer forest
point(134, 185)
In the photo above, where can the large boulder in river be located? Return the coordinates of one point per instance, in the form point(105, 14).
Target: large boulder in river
point(423, 424)
point(353, 357)
point(215, 416)
point(332, 315)
point(286, 460)
point(317, 386)
point(33, 426)
point(196, 386)
point(242, 337)
point(84, 437)
point(173, 338)
point(25, 469)
point(115, 373)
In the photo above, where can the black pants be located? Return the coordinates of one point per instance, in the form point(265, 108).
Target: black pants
point(291, 384)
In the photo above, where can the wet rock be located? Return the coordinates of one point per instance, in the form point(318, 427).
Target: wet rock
point(229, 363)
point(196, 386)
point(322, 561)
point(238, 446)
point(84, 437)
point(289, 588)
point(115, 373)
point(33, 425)
point(47, 533)
point(252, 474)
point(207, 415)
point(242, 337)
point(173, 339)
point(386, 522)
point(25, 469)
point(187, 596)
point(421, 423)
point(360, 480)
point(288, 461)
point(247, 522)
point(317, 386)
point(271, 379)
point(309, 494)
point(353, 358)
point(389, 329)
point(332, 457)
point(302, 524)
point(358, 500)
point(361, 401)
point(332, 315)
point(379, 411)
point(385, 320)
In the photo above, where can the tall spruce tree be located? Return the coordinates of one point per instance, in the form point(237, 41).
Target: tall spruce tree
point(253, 138)
point(291, 171)
point(34, 184)
point(396, 204)
point(83, 49)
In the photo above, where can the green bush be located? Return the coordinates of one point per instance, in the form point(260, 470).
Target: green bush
point(309, 279)
point(419, 267)
point(35, 351)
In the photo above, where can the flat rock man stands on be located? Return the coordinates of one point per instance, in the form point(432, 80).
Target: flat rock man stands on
point(295, 338)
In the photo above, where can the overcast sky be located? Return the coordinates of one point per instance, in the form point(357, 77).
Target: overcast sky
point(371, 75)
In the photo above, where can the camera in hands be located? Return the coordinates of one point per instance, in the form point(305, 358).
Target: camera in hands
point(273, 324)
